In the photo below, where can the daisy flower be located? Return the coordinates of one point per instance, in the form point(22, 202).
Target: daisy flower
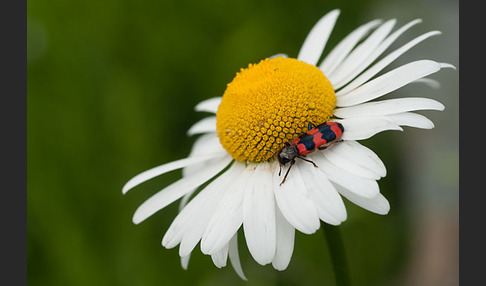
point(231, 178)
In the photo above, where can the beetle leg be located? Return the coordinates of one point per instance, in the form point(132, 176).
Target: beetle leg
point(286, 173)
point(327, 145)
point(307, 160)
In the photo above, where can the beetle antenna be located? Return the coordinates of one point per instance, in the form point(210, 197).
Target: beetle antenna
point(273, 153)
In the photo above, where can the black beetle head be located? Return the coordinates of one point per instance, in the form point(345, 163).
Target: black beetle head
point(287, 154)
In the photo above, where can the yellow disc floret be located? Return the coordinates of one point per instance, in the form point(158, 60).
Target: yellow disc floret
point(269, 103)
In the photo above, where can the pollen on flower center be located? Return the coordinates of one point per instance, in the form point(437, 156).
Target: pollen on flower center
point(269, 103)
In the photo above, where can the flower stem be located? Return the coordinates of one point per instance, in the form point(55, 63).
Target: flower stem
point(338, 255)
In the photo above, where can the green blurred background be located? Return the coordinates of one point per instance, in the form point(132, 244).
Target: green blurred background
point(111, 90)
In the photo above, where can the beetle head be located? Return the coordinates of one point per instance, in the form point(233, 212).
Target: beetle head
point(287, 154)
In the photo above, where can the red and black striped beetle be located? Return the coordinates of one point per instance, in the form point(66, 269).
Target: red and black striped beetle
point(320, 137)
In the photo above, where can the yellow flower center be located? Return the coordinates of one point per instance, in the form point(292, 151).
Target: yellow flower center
point(269, 103)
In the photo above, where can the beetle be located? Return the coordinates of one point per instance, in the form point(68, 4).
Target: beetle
point(320, 137)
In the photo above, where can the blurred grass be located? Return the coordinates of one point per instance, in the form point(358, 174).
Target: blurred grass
point(111, 90)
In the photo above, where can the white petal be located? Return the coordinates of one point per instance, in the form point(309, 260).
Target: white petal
point(259, 215)
point(285, 242)
point(358, 57)
point(356, 159)
point(209, 105)
point(190, 224)
point(390, 106)
point(352, 166)
point(294, 201)
point(341, 50)
point(178, 189)
point(361, 186)
point(235, 257)
point(162, 169)
point(412, 120)
point(388, 82)
point(185, 199)
point(428, 81)
point(447, 66)
point(191, 227)
point(220, 257)
point(317, 38)
point(327, 200)
point(377, 204)
point(360, 128)
point(185, 261)
point(384, 63)
point(204, 144)
point(204, 125)
point(227, 217)
point(279, 56)
point(373, 55)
